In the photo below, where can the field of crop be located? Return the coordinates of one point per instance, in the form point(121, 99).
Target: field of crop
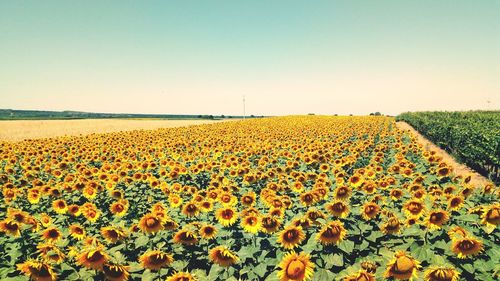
point(473, 137)
point(17, 130)
point(285, 198)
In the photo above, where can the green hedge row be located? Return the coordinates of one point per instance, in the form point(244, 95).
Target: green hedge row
point(473, 137)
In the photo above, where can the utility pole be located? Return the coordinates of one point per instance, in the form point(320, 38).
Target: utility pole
point(244, 114)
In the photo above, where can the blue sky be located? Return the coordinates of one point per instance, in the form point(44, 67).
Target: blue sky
point(286, 57)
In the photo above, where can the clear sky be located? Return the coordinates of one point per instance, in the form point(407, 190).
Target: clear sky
point(286, 57)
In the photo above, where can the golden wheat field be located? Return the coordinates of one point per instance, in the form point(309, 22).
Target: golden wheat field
point(18, 130)
point(286, 198)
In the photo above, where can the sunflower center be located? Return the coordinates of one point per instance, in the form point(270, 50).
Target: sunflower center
point(40, 272)
point(493, 214)
point(12, 226)
point(95, 257)
point(158, 259)
point(436, 217)
point(227, 214)
point(295, 269)
point(53, 233)
point(151, 222)
point(441, 275)
point(112, 271)
point(291, 235)
point(466, 245)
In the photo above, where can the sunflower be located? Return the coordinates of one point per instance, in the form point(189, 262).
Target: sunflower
point(155, 260)
point(455, 202)
point(77, 231)
point(223, 256)
point(369, 266)
point(441, 273)
point(92, 214)
point(356, 180)
point(45, 219)
point(175, 200)
point(296, 267)
point(93, 258)
point(17, 215)
point(444, 171)
point(119, 208)
point(208, 231)
point(402, 266)
point(248, 199)
point(251, 223)
point(150, 223)
point(226, 216)
point(370, 210)
point(270, 224)
point(191, 209)
point(308, 198)
point(185, 237)
point(50, 252)
point(206, 206)
point(115, 272)
point(332, 233)
point(52, 234)
point(181, 276)
point(396, 194)
point(342, 193)
point(391, 226)
point(113, 234)
point(414, 208)
point(361, 275)
point(74, 210)
point(169, 224)
point(291, 237)
point(10, 227)
point(60, 206)
point(491, 215)
point(466, 247)
point(457, 232)
point(338, 209)
point(37, 270)
point(436, 219)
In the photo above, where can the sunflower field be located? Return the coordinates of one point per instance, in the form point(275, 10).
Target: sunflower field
point(285, 198)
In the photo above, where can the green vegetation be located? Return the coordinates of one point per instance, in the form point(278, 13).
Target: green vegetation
point(10, 114)
point(473, 137)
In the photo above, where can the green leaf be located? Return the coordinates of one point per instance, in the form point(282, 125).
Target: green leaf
point(141, 241)
point(347, 246)
point(260, 270)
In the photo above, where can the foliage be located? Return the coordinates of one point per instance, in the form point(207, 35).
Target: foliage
point(473, 137)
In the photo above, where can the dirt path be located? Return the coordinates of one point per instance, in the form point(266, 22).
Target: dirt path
point(16, 130)
point(458, 169)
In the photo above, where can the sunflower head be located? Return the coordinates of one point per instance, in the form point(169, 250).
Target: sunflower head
point(208, 231)
point(226, 216)
point(491, 215)
point(441, 273)
point(466, 247)
point(185, 237)
point(332, 233)
point(370, 210)
point(291, 237)
point(181, 276)
point(338, 209)
point(93, 258)
point(270, 224)
point(52, 234)
point(155, 260)
point(223, 256)
point(37, 270)
point(436, 219)
point(296, 267)
point(10, 227)
point(361, 275)
point(402, 266)
point(150, 223)
point(114, 272)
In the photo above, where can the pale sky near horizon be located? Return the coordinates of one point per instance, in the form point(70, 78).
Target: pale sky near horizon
point(286, 57)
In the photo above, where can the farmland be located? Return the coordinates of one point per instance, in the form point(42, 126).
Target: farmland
point(285, 198)
point(17, 130)
point(472, 137)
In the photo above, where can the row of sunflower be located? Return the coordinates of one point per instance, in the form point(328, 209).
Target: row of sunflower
point(288, 198)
